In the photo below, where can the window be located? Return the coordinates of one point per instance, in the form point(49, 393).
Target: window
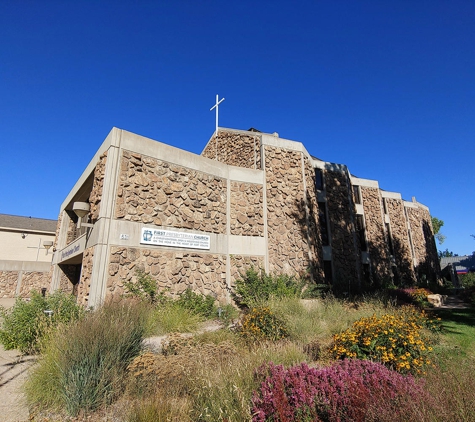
point(390, 239)
point(360, 230)
point(357, 194)
point(322, 218)
point(327, 270)
point(319, 179)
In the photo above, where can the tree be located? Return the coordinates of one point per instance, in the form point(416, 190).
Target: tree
point(446, 254)
point(436, 226)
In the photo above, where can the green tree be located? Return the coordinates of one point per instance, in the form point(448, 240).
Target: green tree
point(446, 254)
point(436, 226)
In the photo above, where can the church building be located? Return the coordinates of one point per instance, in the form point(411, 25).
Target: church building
point(250, 198)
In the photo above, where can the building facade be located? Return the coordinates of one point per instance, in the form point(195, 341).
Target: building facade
point(25, 254)
point(198, 221)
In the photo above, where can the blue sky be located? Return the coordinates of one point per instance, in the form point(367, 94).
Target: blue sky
point(385, 87)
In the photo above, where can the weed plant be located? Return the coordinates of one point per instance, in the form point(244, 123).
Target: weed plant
point(26, 324)
point(256, 287)
point(198, 304)
point(83, 364)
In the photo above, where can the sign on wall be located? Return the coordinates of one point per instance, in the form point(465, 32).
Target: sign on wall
point(175, 239)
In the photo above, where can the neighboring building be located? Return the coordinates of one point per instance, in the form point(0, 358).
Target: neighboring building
point(454, 266)
point(25, 254)
point(250, 199)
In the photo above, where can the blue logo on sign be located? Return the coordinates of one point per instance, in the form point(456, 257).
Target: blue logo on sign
point(147, 235)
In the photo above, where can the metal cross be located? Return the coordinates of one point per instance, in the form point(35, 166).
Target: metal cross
point(216, 106)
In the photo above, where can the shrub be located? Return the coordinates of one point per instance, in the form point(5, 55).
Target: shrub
point(262, 324)
point(198, 304)
point(26, 323)
point(145, 288)
point(394, 340)
point(170, 317)
point(256, 287)
point(83, 364)
point(350, 390)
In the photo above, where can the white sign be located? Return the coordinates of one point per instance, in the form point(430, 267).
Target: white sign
point(175, 239)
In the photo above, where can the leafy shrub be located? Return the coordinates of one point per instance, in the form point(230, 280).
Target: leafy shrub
point(25, 324)
point(198, 304)
point(256, 287)
point(394, 340)
point(145, 288)
point(350, 390)
point(83, 364)
point(262, 324)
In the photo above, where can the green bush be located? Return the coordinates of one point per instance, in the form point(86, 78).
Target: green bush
point(83, 364)
point(198, 304)
point(468, 280)
point(256, 287)
point(145, 288)
point(25, 324)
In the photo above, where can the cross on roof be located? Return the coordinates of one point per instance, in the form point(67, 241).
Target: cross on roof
point(216, 106)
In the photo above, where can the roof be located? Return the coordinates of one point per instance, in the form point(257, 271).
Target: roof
point(460, 263)
point(16, 222)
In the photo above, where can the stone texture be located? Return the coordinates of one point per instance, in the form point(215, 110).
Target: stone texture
point(376, 236)
point(8, 283)
point(402, 251)
point(155, 192)
point(342, 229)
point(424, 245)
point(34, 280)
point(312, 223)
point(286, 217)
point(235, 149)
point(240, 264)
point(84, 285)
point(247, 209)
point(174, 271)
point(96, 193)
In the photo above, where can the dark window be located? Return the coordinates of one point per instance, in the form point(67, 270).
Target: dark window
point(322, 217)
point(390, 240)
point(366, 273)
point(357, 194)
point(318, 179)
point(327, 270)
point(360, 230)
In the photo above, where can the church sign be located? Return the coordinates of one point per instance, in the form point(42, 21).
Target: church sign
point(174, 239)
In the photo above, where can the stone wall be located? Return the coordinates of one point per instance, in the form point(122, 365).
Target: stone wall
point(34, 280)
point(314, 238)
point(286, 215)
point(376, 236)
point(247, 208)
point(152, 191)
point(424, 245)
point(8, 283)
point(235, 149)
point(23, 282)
point(96, 193)
point(240, 264)
point(402, 251)
point(174, 271)
point(84, 285)
point(342, 229)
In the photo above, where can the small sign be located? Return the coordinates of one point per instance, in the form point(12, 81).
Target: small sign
point(124, 237)
point(175, 239)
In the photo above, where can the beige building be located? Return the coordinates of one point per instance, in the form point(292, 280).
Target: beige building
point(25, 254)
point(250, 198)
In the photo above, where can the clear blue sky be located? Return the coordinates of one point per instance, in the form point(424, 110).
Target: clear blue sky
point(385, 87)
